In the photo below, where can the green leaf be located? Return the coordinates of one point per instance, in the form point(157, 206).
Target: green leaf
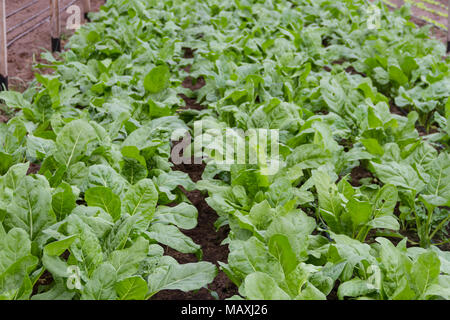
point(355, 288)
point(186, 277)
point(385, 222)
point(132, 288)
point(104, 198)
point(183, 216)
point(15, 174)
point(332, 93)
point(280, 248)
point(425, 272)
point(330, 202)
point(14, 99)
point(134, 167)
point(169, 181)
point(86, 248)
point(31, 208)
point(157, 79)
point(57, 248)
point(141, 199)
point(16, 264)
point(73, 140)
point(13, 246)
point(126, 261)
point(396, 74)
point(260, 286)
point(261, 215)
point(398, 174)
point(173, 237)
point(297, 227)
point(106, 176)
point(439, 183)
point(38, 148)
point(101, 286)
point(63, 201)
point(360, 212)
point(373, 146)
point(385, 201)
point(252, 255)
point(59, 291)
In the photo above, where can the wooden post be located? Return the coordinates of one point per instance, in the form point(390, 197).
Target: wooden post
point(55, 25)
point(3, 48)
point(87, 9)
point(448, 28)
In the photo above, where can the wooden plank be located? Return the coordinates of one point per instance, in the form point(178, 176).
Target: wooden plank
point(3, 47)
point(448, 28)
point(86, 8)
point(55, 25)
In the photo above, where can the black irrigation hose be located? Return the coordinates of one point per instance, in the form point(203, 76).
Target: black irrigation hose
point(71, 3)
point(28, 20)
point(20, 36)
point(20, 9)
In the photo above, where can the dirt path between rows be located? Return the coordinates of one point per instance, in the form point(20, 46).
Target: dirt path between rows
point(419, 15)
point(205, 233)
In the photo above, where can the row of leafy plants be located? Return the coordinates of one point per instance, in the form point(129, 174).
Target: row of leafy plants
point(96, 216)
point(314, 71)
point(106, 200)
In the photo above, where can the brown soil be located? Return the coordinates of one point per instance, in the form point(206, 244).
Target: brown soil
point(397, 110)
point(23, 52)
point(45, 280)
point(3, 119)
point(359, 173)
point(417, 13)
point(34, 168)
point(206, 236)
point(205, 233)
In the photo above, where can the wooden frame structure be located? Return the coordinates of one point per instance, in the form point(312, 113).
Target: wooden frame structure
point(55, 27)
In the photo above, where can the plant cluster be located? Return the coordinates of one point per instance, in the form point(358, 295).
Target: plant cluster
point(359, 207)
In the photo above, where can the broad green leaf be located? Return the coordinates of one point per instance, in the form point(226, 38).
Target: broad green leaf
point(73, 140)
point(38, 148)
point(63, 201)
point(360, 212)
point(86, 248)
point(101, 286)
point(157, 79)
point(186, 277)
point(355, 288)
point(385, 222)
point(260, 286)
point(141, 199)
point(132, 288)
point(183, 216)
point(385, 200)
point(171, 236)
point(425, 272)
point(31, 208)
point(398, 174)
point(57, 248)
point(106, 176)
point(104, 198)
point(13, 246)
point(281, 249)
point(439, 184)
point(126, 261)
point(252, 255)
point(330, 202)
